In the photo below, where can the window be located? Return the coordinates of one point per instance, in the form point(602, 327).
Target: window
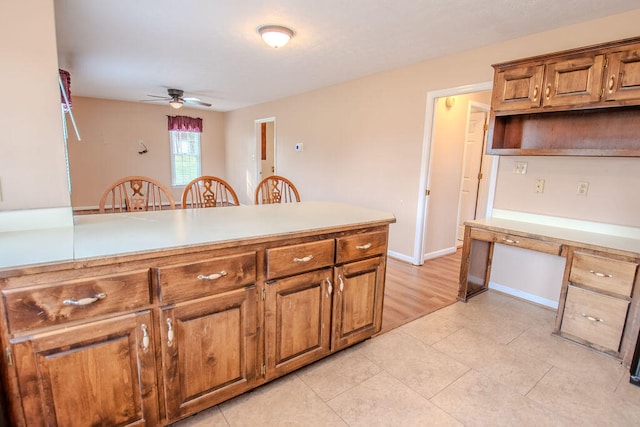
point(185, 156)
point(184, 134)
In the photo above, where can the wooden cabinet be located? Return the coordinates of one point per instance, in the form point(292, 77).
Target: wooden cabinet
point(297, 321)
point(150, 339)
point(518, 88)
point(208, 331)
point(97, 373)
point(579, 102)
point(596, 300)
point(82, 348)
point(208, 350)
point(622, 80)
point(357, 302)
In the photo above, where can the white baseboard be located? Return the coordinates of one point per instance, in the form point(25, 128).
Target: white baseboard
point(400, 256)
point(442, 252)
point(524, 295)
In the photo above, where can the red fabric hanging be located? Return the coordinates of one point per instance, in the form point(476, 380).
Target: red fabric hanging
point(184, 123)
point(66, 83)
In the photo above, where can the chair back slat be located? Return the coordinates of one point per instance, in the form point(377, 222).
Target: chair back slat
point(136, 194)
point(208, 192)
point(276, 189)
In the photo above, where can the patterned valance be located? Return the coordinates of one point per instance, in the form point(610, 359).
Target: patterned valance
point(185, 124)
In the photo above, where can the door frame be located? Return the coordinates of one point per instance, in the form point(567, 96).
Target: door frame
point(425, 162)
point(258, 158)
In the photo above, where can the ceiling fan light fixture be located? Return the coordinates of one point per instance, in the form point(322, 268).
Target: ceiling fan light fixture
point(176, 103)
point(275, 35)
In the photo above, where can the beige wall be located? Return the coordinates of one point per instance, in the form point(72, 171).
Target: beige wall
point(363, 139)
point(612, 196)
point(32, 165)
point(111, 133)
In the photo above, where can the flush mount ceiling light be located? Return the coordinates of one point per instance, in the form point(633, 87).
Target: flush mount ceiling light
point(275, 35)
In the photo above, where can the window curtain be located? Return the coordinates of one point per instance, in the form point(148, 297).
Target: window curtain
point(185, 124)
point(66, 83)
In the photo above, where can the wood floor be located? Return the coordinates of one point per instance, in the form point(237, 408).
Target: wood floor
point(413, 291)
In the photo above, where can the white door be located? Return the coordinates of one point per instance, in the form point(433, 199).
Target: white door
point(471, 168)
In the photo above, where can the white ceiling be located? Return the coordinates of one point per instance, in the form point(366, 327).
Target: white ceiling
point(127, 49)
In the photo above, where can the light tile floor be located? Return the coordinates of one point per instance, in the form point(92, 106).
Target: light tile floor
point(489, 362)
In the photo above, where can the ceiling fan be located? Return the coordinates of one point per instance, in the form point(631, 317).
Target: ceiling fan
point(176, 99)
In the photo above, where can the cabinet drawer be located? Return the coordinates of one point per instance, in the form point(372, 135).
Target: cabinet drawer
point(361, 246)
point(212, 276)
point(58, 303)
point(602, 273)
point(296, 259)
point(518, 241)
point(594, 317)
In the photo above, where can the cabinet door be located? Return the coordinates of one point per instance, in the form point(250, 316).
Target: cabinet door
point(622, 81)
point(297, 321)
point(357, 302)
point(100, 373)
point(517, 88)
point(208, 350)
point(576, 81)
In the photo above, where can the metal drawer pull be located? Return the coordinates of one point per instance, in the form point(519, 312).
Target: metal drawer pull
point(304, 259)
point(612, 82)
point(169, 333)
point(597, 273)
point(510, 240)
point(547, 92)
point(593, 319)
point(330, 287)
point(535, 93)
point(341, 283)
point(367, 246)
point(213, 276)
point(85, 301)
point(145, 337)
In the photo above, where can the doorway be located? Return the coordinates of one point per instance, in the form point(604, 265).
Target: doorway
point(428, 203)
point(265, 131)
point(469, 204)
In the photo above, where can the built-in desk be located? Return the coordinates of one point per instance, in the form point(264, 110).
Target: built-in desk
point(599, 302)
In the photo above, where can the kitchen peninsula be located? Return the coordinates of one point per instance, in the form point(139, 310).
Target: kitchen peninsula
point(155, 316)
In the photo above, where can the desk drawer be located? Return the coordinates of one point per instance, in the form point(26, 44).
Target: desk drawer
point(296, 259)
point(518, 241)
point(58, 303)
point(609, 275)
point(212, 276)
point(594, 317)
point(360, 246)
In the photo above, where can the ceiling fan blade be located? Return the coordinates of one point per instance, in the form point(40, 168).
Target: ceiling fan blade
point(196, 101)
point(160, 96)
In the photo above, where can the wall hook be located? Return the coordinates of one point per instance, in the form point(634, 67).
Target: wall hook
point(143, 148)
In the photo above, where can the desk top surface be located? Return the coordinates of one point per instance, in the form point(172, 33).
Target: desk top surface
point(561, 234)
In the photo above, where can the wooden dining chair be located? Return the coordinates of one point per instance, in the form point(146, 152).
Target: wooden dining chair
point(136, 194)
point(208, 192)
point(276, 189)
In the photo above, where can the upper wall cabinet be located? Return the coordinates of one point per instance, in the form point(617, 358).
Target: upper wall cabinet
point(580, 102)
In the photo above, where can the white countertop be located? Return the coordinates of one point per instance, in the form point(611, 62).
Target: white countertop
point(116, 234)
